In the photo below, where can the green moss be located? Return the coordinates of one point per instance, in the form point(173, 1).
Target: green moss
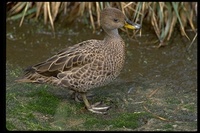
point(44, 102)
point(15, 73)
point(128, 120)
point(173, 101)
point(167, 126)
point(10, 126)
point(190, 107)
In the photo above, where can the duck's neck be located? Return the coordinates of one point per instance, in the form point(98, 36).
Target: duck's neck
point(112, 34)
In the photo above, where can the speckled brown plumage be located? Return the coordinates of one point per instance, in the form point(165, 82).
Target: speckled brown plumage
point(88, 64)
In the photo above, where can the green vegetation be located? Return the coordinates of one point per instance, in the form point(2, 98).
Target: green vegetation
point(163, 17)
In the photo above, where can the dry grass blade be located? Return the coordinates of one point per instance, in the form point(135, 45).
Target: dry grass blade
point(173, 23)
point(25, 10)
point(139, 11)
point(190, 13)
point(153, 92)
point(123, 9)
point(55, 8)
point(101, 5)
point(159, 117)
point(22, 14)
point(127, 4)
point(132, 9)
point(139, 15)
point(91, 17)
point(17, 8)
point(167, 20)
point(39, 6)
point(175, 6)
point(163, 26)
point(192, 42)
point(98, 13)
point(45, 12)
point(65, 7)
point(190, 18)
point(154, 22)
point(50, 16)
point(81, 9)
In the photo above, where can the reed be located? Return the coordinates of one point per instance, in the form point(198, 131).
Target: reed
point(163, 16)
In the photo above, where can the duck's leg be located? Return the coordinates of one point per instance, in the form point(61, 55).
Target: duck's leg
point(94, 108)
point(78, 98)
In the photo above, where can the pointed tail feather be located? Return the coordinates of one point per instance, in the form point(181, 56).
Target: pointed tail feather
point(24, 80)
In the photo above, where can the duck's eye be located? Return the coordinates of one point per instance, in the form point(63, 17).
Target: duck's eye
point(116, 20)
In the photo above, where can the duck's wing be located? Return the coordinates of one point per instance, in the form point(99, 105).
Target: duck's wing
point(72, 57)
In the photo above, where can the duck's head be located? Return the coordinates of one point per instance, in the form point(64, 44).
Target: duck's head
point(112, 18)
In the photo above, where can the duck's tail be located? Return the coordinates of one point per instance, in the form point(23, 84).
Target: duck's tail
point(37, 78)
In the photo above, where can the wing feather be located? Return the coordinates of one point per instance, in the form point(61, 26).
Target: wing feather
point(67, 59)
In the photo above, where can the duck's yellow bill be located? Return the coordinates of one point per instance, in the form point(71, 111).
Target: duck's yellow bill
point(130, 25)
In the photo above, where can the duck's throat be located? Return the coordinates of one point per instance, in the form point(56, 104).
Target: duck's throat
point(112, 34)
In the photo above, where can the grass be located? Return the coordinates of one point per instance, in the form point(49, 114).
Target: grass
point(122, 120)
point(41, 110)
point(43, 102)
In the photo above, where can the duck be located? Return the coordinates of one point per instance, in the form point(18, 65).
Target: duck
point(89, 64)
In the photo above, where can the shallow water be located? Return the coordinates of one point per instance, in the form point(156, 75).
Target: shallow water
point(166, 76)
